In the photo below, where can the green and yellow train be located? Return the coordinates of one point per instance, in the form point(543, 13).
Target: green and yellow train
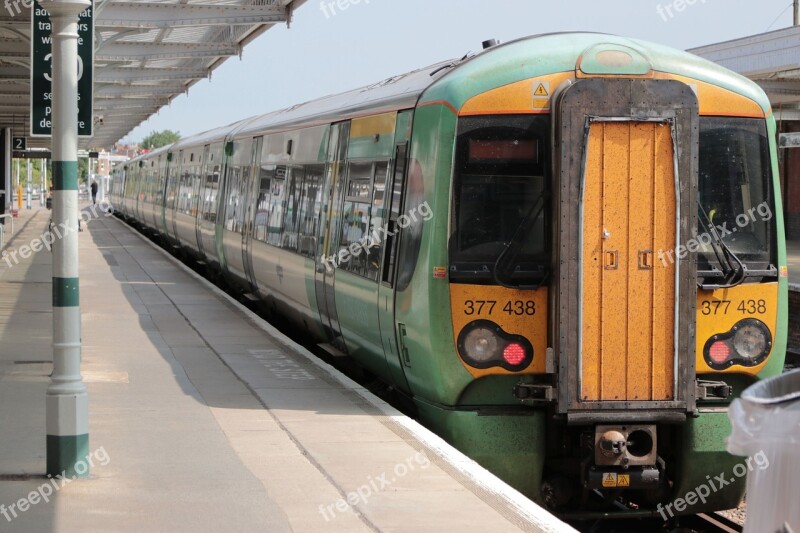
point(567, 250)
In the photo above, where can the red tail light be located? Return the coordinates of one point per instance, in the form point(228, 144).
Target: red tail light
point(719, 352)
point(514, 354)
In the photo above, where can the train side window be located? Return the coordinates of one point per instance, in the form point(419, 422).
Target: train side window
point(146, 186)
point(197, 191)
point(276, 208)
point(233, 203)
point(161, 194)
point(411, 241)
point(184, 193)
point(377, 223)
point(244, 181)
point(355, 217)
point(128, 186)
point(172, 188)
point(310, 209)
point(395, 205)
point(291, 222)
point(261, 225)
point(210, 195)
point(239, 168)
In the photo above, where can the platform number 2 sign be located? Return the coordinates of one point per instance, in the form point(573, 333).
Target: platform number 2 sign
point(19, 143)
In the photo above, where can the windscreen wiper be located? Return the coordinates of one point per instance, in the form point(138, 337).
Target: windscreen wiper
point(524, 227)
point(733, 269)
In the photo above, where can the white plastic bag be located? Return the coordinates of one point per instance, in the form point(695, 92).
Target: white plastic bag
point(766, 426)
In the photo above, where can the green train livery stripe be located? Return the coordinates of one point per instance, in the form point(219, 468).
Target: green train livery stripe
point(65, 292)
point(65, 175)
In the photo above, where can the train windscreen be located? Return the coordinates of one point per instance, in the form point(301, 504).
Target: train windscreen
point(736, 206)
point(500, 227)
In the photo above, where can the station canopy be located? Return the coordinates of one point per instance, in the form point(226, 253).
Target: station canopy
point(146, 54)
point(770, 59)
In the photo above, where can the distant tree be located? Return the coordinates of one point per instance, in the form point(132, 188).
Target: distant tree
point(83, 170)
point(157, 139)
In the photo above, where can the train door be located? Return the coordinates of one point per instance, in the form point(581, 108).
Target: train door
point(138, 190)
point(251, 201)
point(628, 301)
point(211, 174)
point(177, 188)
point(201, 197)
point(164, 189)
point(628, 180)
point(386, 300)
point(327, 244)
point(386, 288)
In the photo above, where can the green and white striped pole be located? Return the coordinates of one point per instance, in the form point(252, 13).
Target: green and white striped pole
point(67, 399)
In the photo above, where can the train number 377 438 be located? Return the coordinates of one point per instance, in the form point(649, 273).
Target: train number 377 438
point(510, 307)
point(723, 307)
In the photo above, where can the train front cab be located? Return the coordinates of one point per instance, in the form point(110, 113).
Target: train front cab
point(634, 289)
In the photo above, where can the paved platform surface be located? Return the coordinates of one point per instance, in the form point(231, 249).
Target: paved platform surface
point(203, 418)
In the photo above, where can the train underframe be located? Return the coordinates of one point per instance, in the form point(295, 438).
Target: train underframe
point(559, 466)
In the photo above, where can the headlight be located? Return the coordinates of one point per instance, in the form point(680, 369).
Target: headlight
point(484, 344)
point(481, 344)
point(750, 341)
point(748, 344)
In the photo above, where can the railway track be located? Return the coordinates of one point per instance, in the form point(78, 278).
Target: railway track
point(719, 523)
point(699, 523)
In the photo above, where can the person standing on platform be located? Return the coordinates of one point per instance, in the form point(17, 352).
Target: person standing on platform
point(94, 193)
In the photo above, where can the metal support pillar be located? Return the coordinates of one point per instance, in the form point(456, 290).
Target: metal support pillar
point(67, 399)
point(18, 188)
point(5, 160)
point(29, 186)
point(42, 180)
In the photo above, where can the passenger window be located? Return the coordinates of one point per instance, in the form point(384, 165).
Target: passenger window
point(377, 222)
point(162, 183)
point(395, 200)
point(234, 199)
point(355, 217)
point(294, 184)
point(310, 208)
point(184, 193)
point(261, 231)
point(275, 224)
point(171, 190)
point(363, 218)
point(210, 197)
point(195, 183)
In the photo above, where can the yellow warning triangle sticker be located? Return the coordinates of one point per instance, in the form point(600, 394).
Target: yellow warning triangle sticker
point(541, 91)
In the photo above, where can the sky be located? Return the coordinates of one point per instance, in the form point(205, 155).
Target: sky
point(326, 51)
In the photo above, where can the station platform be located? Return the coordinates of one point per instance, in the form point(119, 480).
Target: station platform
point(205, 418)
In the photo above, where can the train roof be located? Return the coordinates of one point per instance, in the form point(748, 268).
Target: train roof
point(456, 81)
point(395, 93)
point(523, 59)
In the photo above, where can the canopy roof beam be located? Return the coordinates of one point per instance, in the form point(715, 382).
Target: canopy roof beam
point(164, 16)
